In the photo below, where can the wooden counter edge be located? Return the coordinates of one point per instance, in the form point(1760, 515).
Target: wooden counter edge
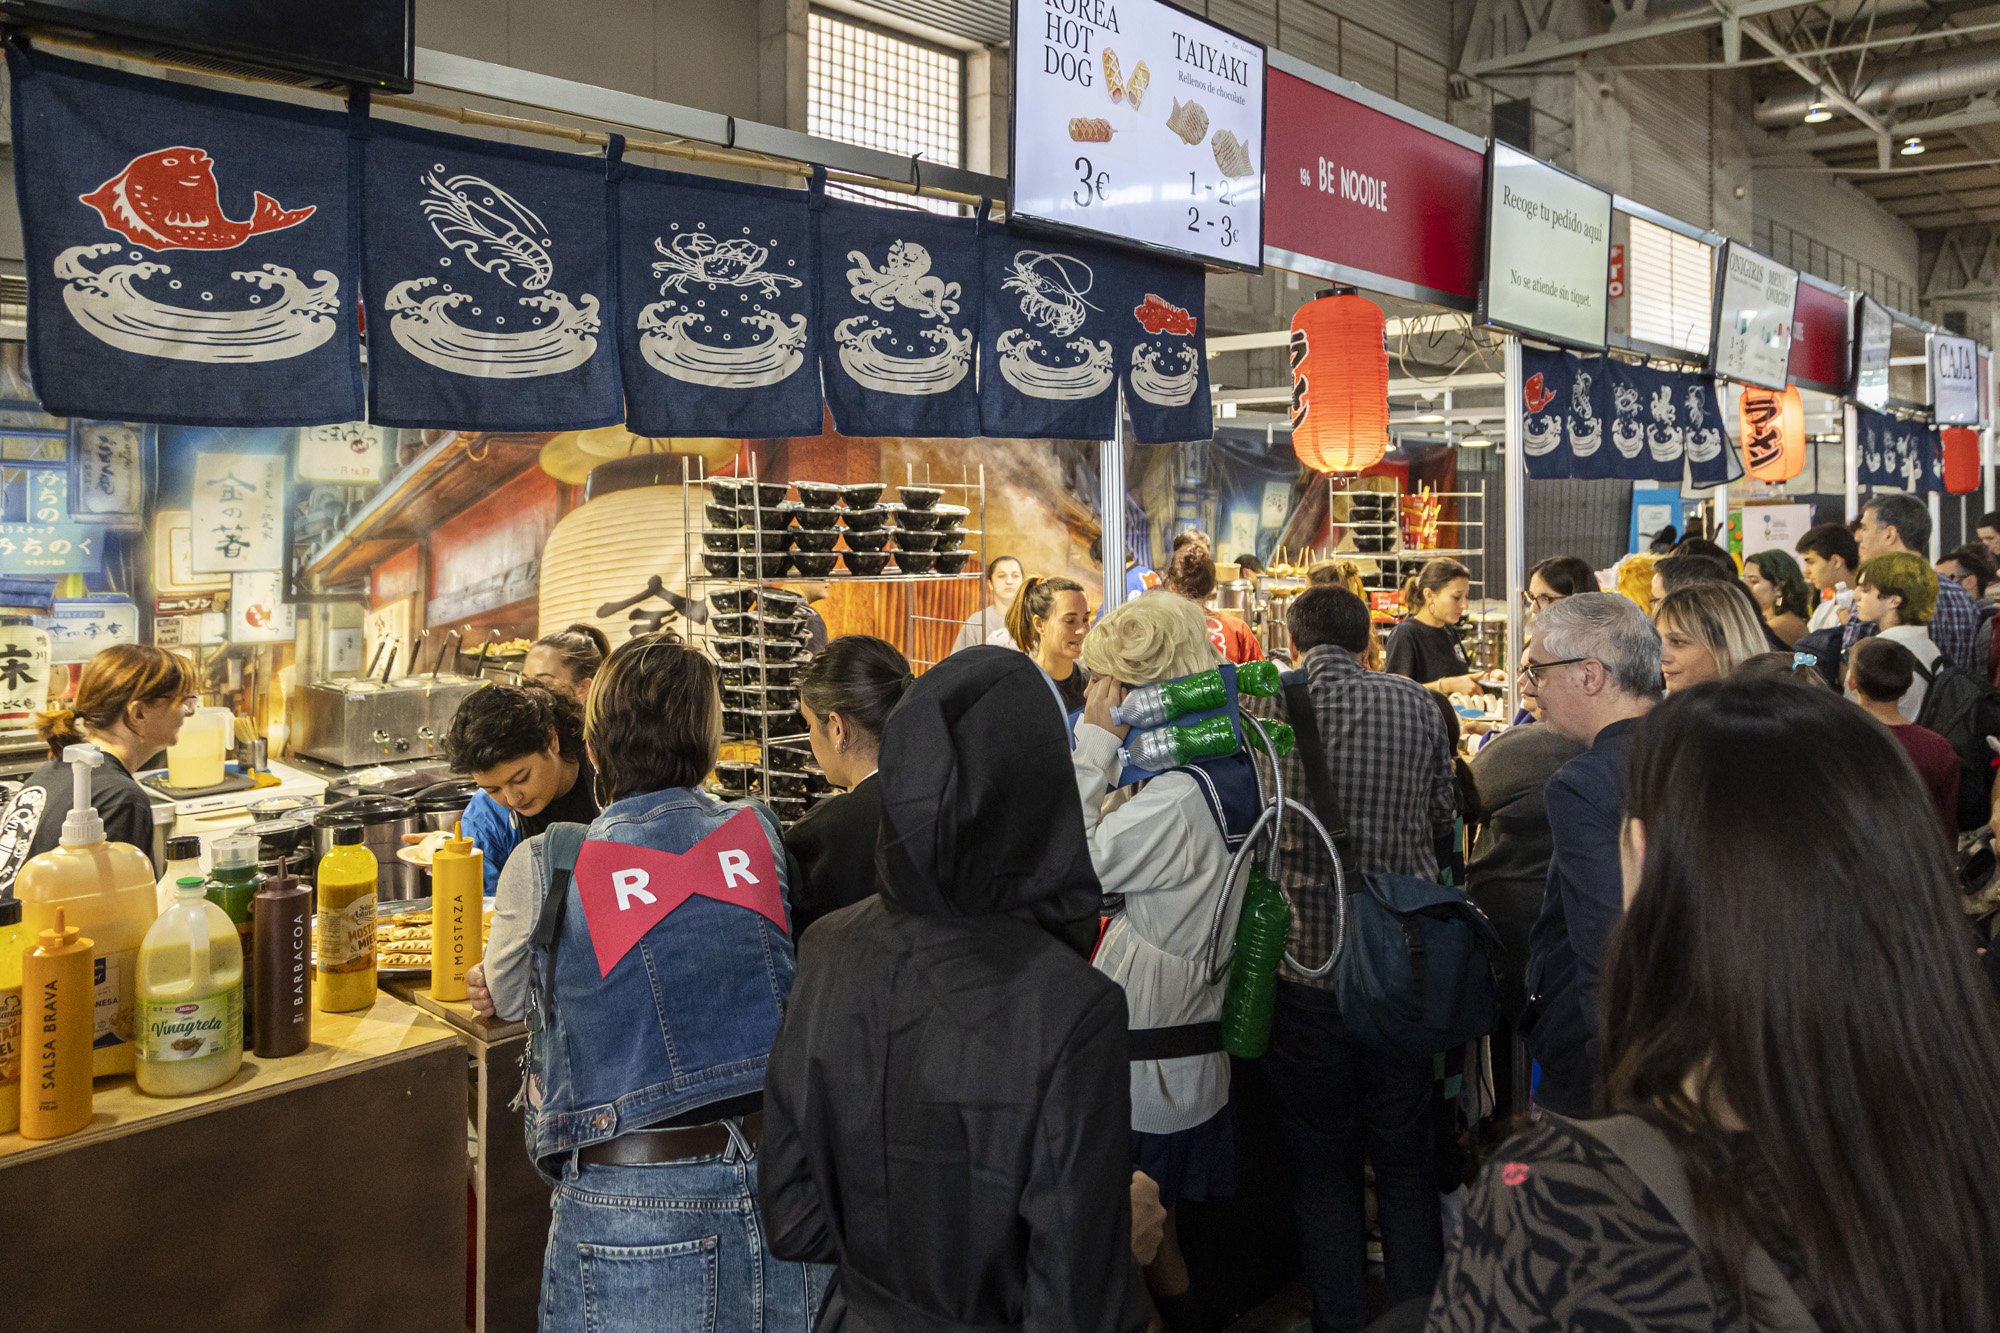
point(342, 1044)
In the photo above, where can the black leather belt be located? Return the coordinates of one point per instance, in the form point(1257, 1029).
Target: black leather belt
point(1174, 1043)
point(651, 1147)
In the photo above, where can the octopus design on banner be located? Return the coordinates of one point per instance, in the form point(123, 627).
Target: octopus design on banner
point(1703, 437)
point(903, 282)
point(282, 314)
point(1665, 438)
point(495, 234)
point(1539, 434)
point(723, 272)
point(1628, 436)
point(169, 200)
point(1586, 430)
point(1052, 288)
point(1165, 375)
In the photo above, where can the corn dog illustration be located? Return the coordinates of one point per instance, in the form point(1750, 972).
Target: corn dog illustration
point(1135, 91)
point(1090, 129)
point(1114, 79)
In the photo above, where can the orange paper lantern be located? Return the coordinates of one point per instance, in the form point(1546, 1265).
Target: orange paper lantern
point(1340, 383)
point(1772, 426)
point(1961, 459)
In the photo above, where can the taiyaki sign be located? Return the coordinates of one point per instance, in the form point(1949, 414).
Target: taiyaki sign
point(489, 266)
point(194, 251)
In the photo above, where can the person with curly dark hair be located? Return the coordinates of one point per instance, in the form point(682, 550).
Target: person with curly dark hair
point(523, 745)
point(1191, 574)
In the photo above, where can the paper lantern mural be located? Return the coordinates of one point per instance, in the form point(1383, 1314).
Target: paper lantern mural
point(1772, 427)
point(1961, 459)
point(1340, 383)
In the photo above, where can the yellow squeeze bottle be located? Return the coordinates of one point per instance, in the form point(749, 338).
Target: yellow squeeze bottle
point(190, 988)
point(346, 929)
point(13, 939)
point(106, 890)
point(56, 989)
point(458, 893)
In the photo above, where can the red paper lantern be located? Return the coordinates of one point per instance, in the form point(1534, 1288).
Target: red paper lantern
point(1961, 459)
point(1772, 427)
point(1340, 383)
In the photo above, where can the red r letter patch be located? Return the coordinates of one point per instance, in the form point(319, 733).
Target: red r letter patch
point(627, 890)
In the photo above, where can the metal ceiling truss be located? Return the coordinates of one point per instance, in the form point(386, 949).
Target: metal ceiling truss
point(1966, 265)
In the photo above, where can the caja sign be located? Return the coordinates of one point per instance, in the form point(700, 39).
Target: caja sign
point(1954, 366)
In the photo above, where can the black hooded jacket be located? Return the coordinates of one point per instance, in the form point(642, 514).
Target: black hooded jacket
point(946, 1106)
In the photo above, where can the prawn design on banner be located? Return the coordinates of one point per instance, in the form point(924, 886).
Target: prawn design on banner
point(1052, 289)
point(900, 297)
point(495, 233)
point(188, 251)
point(715, 281)
point(487, 269)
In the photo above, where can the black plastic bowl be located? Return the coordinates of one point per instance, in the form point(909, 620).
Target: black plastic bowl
point(952, 562)
point(820, 520)
point(823, 494)
point(867, 539)
point(866, 519)
point(728, 600)
point(767, 540)
point(737, 491)
point(766, 566)
point(954, 516)
point(807, 539)
point(916, 562)
point(951, 539)
point(911, 539)
point(919, 497)
point(922, 520)
point(723, 566)
point(783, 601)
point(866, 563)
point(722, 516)
point(861, 495)
point(718, 541)
point(814, 564)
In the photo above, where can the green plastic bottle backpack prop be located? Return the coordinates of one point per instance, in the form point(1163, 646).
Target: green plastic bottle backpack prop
point(1261, 934)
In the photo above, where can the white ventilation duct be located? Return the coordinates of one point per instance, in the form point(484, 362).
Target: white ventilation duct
point(1964, 71)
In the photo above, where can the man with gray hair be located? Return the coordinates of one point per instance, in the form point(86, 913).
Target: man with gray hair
point(1594, 666)
point(1892, 521)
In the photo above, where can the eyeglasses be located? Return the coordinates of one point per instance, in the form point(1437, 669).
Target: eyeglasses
point(1532, 672)
point(1539, 601)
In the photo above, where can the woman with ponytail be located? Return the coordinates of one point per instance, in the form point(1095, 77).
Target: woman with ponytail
point(130, 704)
point(846, 693)
point(1048, 621)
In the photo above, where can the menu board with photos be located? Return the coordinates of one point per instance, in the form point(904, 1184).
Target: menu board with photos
point(1548, 250)
point(1137, 122)
point(1753, 318)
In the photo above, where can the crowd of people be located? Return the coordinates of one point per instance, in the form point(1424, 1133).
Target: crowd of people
point(946, 1053)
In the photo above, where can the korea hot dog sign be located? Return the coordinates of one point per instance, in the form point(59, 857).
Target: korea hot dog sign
point(626, 890)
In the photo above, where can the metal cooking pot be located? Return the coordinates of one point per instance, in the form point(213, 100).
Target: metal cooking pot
point(383, 821)
point(442, 804)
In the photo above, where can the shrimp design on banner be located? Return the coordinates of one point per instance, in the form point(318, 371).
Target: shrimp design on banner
point(1052, 288)
point(489, 266)
point(190, 253)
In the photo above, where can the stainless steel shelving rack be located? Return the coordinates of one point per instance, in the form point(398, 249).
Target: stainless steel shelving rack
point(1399, 561)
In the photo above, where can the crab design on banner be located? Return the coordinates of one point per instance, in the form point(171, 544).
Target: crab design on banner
point(1165, 374)
point(169, 199)
point(492, 232)
point(702, 282)
point(904, 282)
point(1052, 289)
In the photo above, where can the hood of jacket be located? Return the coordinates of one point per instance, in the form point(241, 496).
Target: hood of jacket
point(979, 806)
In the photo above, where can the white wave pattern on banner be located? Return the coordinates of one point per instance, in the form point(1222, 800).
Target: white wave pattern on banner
point(500, 236)
point(1586, 431)
point(1153, 381)
point(1628, 433)
point(724, 270)
point(560, 338)
point(1052, 288)
point(496, 232)
point(1703, 436)
point(903, 282)
point(1540, 434)
point(1665, 437)
point(286, 316)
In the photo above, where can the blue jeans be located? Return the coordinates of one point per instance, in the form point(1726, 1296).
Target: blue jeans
point(674, 1248)
point(1339, 1102)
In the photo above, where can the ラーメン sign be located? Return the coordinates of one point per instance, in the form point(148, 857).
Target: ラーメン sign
point(1139, 123)
point(1548, 250)
point(1954, 380)
point(1753, 318)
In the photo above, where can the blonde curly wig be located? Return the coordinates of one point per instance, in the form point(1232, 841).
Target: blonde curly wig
point(1157, 636)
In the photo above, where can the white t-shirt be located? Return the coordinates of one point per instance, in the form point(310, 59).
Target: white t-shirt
point(987, 626)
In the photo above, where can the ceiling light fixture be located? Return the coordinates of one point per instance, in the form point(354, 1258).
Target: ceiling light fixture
point(1429, 418)
point(1817, 113)
point(1476, 442)
point(1912, 147)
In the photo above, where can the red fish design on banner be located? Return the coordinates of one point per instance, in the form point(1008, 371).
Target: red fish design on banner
point(1157, 315)
point(1535, 395)
point(169, 200)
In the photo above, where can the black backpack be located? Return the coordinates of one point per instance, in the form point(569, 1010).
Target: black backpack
point(1965, 710)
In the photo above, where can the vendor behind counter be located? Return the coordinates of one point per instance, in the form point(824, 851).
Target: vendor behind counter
point(523, 745)
point(130, 703)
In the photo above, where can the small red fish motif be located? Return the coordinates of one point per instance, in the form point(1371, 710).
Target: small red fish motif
point(1159, 315)
point(168, 200)
point(1514, 1174)
point(1535, 395)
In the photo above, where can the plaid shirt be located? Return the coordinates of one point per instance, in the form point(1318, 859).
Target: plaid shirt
point(1389, 763)
point(1954, 627)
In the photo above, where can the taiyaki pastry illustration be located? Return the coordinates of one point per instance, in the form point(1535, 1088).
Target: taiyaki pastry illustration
point(1114, 78)
point(1231, 154)
point(1157, 315)
point(1135, 90)
point(1189, 121)
point(1090, 129)
point(168, 200)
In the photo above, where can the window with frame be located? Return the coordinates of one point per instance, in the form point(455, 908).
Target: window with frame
point(1671, 279)
point(879, 89)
